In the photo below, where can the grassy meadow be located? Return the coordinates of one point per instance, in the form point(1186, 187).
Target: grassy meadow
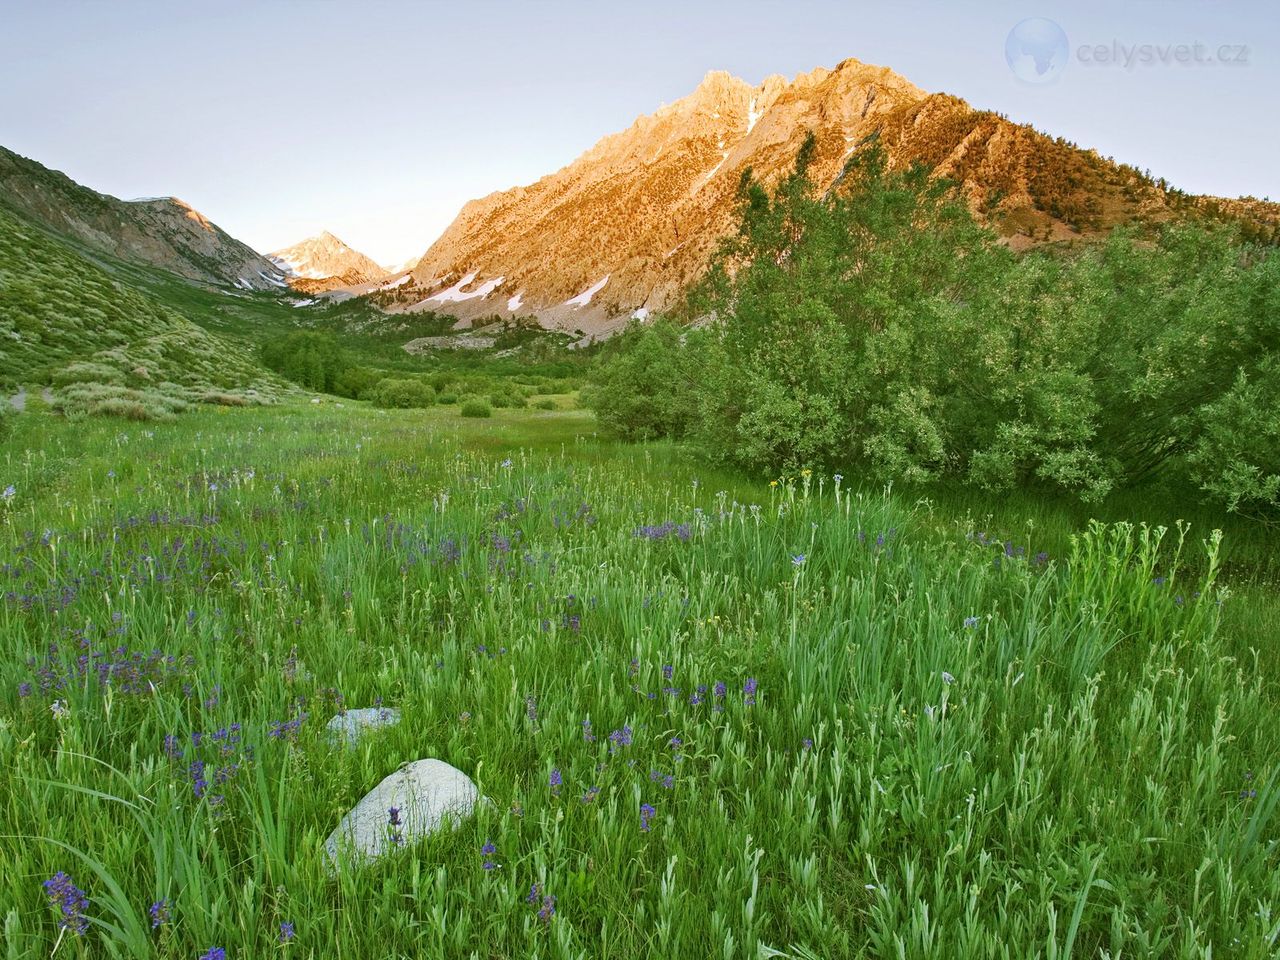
point(714, 718)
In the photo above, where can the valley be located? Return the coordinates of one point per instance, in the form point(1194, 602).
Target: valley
point(824, 519)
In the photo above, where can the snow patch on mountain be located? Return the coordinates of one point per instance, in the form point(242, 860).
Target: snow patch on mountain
point(455, 294)
point(584, 298)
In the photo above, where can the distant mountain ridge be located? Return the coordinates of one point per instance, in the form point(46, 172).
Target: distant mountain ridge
point(627, 227)
point(324, 262)
point(162, 232)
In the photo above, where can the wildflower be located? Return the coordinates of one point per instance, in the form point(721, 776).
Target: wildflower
point(587, 735)
point(619, 738)
point(488, 850)
point(286, 931)
point(214, 953)
point(159, 913)
point(970, 622)
point(947, 678)
point(394, 823)
point(646, 814)
point(667, 671)
point(59, 709)
point(720, 690)
point(798, 560)
point(591, 794)
point(198, 782)
point(9, 493)
point(806, 744)
point(674, 743)
point(668, 782)
point(70, 901)
point(548, 909)
point(555, 780)
point(749, 692)
point(24, 690)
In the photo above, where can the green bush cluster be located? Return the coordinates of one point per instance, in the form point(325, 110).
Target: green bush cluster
point(403, 394)
point(878, 327)
point(476, 408)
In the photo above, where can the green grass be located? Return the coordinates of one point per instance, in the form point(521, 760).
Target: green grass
point(1067, 774)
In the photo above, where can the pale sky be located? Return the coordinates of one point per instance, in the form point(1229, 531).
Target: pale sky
point(378, 119)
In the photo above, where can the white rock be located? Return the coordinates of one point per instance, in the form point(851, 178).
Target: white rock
point(427, 793)
point(354, 724)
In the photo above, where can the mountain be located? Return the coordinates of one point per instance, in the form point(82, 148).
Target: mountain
point(627, 227)
point(161, 232)
point(325, 263)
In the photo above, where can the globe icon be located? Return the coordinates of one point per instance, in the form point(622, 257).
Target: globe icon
point(1036, 50)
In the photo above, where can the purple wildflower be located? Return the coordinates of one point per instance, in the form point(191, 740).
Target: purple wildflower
point(286, 931)
point(70, 901)
point(394, 823)
point(214, 953)
point(749, 691)
point(970, 622)
point(646, 814)
point(555, 780)
point(548, 908)
point(198, 783)
point(159, 913)
point(620, 738)
point(488, 850)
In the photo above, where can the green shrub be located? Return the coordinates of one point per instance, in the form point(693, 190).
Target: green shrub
point(447, 399)
point(403, 394)
point(1236, 457)
point(545, 403)
point(476, 408)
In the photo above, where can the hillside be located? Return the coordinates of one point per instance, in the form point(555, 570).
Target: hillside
point(105, 345)
point(629, 225)
point(161, 232)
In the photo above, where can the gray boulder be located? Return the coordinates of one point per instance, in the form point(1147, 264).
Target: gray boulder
point(349, 727)
point(425, 794)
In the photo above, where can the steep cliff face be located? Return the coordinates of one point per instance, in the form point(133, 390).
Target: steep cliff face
point(161, 232)
point(632, 223)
